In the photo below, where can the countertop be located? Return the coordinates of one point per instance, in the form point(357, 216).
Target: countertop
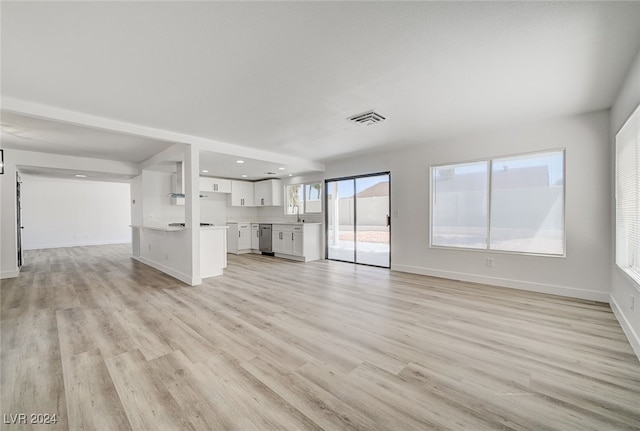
point(273, 222)
point(175, 228)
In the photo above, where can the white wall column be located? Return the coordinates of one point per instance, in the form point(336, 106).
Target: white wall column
point(192, 209)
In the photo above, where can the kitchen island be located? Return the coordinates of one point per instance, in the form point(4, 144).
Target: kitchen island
point(166, 248)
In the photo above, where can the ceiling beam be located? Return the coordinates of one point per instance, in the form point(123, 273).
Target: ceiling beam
point(18, 106)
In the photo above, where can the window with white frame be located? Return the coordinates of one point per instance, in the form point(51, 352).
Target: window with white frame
point(303, 198)
point(628, 196)
point(509, 204)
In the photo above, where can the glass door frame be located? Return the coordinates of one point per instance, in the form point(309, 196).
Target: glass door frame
point(355, 217)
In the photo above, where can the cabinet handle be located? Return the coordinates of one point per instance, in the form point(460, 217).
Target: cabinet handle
point(215, 187)
point(238, 234)
point(262, 201)
point(291, 236)
point(279, 235)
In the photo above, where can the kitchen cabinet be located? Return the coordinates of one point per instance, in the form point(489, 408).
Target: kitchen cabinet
point(241, 194)
point(268, 193)
point(162, 249)
point(255, 236)
point(300, 241)
point(296, 241)
point(282, 241)
point(215, 185)
point(239, 240)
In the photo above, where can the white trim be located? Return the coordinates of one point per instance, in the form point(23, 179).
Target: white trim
point(290, 257)
point(77, 244)
point(10, 274)
point(170, 271)
point(571, 292)
point(243, 251)
point(633, 338)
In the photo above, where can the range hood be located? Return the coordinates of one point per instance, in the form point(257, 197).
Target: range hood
point(177, 186)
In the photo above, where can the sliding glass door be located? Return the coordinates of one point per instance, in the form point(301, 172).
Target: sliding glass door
point(357, 222)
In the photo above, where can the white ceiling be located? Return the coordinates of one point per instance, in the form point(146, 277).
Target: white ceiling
point(284, 76)
point(21, 132)
point(251, 169)
point(72, 174)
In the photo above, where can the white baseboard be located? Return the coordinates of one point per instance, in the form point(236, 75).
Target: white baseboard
point(628, 330)
point(10, 274)
point(170, 271)
point(76, 244)
point(505, 282)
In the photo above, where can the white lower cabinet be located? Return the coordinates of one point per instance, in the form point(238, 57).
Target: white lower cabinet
point(255, 236)
point(297, 241)
point(239, 238)
point(281, 239)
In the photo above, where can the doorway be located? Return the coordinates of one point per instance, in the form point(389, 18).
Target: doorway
point(19, 220)
point(358, 227)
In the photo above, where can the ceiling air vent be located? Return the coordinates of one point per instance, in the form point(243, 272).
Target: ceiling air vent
point(368, 118)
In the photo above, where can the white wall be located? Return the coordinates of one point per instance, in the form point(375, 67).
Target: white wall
point(157, 208)
point(67, 213)
point(621, 286)
point(584, 273)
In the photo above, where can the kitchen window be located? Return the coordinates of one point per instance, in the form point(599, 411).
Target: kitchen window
point(628, 197)
point(307, 197)
point(508, 204)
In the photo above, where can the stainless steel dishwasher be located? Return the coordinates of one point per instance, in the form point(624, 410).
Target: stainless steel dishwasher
point(265, 239)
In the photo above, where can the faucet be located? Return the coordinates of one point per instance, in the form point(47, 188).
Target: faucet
point(297, 208)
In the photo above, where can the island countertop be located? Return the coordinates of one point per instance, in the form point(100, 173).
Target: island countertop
point(174, 228)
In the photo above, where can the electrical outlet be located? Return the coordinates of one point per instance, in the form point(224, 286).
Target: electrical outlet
point(633, 302)
point(149, 247)
point(489, 262)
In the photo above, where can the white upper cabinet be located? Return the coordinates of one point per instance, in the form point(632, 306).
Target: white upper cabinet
point(216, 185)
point(241, 194)
point(268, 193)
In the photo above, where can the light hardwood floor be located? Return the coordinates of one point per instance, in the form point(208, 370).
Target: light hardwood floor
point(108, 343)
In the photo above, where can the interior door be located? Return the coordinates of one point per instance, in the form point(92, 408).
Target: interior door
point(19, 220)
point(357, 219)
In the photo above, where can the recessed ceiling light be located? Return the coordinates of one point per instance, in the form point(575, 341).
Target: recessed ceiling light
point(239, 161)
point(281, 169)
point(205, 171)
point(244, 176)
point(81, 176)
point(290, 175)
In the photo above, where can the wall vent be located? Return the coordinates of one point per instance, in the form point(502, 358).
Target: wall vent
point(367, 118)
